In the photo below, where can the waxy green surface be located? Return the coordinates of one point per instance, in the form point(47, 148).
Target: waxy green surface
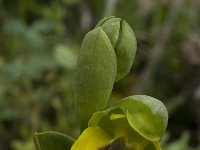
point(106, 55)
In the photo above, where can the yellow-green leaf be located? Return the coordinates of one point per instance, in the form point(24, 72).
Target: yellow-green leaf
point(141, 120)
point(92, 138)
point(146, 115)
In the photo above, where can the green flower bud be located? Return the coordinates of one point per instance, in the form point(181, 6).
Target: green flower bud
point(106, 55)
point(123, 41)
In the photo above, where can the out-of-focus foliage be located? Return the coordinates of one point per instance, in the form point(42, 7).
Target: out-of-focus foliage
point(181, 143)
point(39, 44)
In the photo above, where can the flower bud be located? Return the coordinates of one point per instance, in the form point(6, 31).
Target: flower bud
point(123, 41)
point(106, 55)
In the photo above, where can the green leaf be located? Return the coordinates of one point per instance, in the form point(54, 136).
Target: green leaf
point(52, 141)
point(98, 116)
point(181, 143)
point(96, 72)
point(14, 27)
point(65, 57)
point(140, 119)
point(145, 114)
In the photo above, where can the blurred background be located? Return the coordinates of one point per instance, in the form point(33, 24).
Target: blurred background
point(39, 45)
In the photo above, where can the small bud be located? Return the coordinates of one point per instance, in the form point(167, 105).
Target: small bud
point(123, 41)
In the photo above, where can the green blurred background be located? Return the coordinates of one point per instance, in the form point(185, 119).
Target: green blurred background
point(39, 45)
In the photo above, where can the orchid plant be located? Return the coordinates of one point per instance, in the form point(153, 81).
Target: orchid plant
point(136, 122)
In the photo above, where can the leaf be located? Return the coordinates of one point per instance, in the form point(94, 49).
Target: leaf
point(98, 116)
point(91, 138)
point(181, 143)
point(44, 26)
point(145, 114)
point(14, 27)
point(65, 57)
point(52, 141)
point(26, 145)
point(115, 124)
point(96, 72)
point(140, 119)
